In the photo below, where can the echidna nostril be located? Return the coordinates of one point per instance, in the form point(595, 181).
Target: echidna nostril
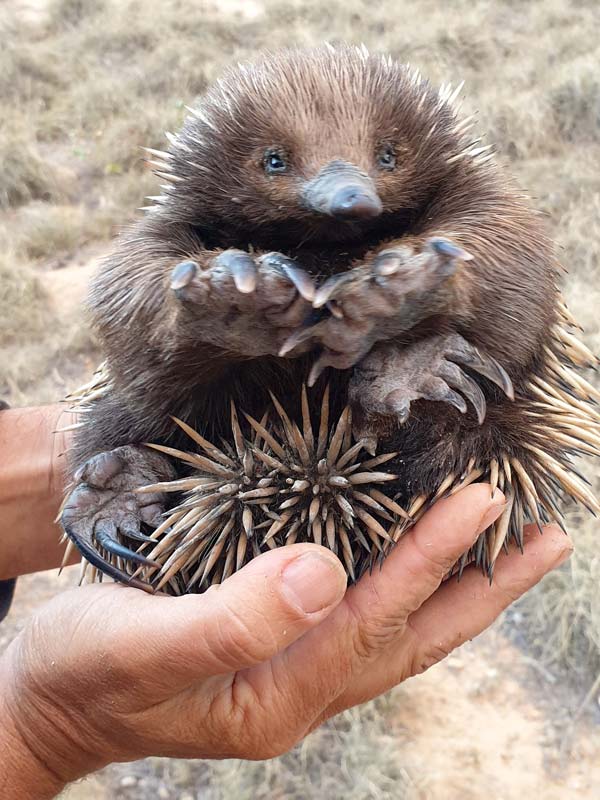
point(355, 202)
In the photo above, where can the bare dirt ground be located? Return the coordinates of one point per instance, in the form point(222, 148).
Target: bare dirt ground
point(505, 716)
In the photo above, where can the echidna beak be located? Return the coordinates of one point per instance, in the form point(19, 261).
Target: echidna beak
point(342, 191)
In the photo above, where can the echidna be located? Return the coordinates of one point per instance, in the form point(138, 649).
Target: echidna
point(327, 218)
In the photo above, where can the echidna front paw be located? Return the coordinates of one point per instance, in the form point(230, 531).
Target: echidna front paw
point(390, 378)
point(390, 294)
point(243, 303)
point(105, 517)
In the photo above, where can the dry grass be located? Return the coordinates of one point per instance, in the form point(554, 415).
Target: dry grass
point(84, 84)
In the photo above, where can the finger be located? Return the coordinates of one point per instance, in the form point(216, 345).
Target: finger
point(474, 603)
point(260, 610)
point(458, 611)
point(424, 556)
point(325, 661)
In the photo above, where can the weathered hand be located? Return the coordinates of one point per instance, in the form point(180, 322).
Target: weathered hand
point(246, 304)
point(247, 669)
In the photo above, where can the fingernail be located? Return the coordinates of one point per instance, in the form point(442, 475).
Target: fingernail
point(493, 511)
point(313, 582)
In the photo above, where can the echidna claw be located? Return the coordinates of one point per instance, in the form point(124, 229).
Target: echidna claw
point(391, 378)
point(242, 268)
point(301, 279)
point(105, 533)
point(460, 351)
point(182, 275)
point(103, 511)
point(329, 289)
point(445, 247)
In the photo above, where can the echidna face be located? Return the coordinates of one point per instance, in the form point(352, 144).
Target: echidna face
point(323, 142)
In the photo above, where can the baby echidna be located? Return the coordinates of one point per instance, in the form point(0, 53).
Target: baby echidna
point(326, 217)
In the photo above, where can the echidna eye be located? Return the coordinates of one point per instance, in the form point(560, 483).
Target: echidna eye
point(386, 158)
point(275, 162)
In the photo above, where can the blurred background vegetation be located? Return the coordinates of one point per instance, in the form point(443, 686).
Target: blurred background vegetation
point(84, 84)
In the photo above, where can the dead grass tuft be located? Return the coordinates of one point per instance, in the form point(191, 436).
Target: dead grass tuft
point(23, 303)
point(26, 175)
point(576, 109)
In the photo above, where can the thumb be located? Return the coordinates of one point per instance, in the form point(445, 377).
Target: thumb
point(246, 620)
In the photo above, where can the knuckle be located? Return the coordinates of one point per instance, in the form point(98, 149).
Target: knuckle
point(422, 661)
point(238, 637)
point(373, 633)
point(247, 724)
point(431, 561)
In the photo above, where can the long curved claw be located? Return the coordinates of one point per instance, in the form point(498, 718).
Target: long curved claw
point(105, 533)
point(454, 398)
point(457, 379)
point(137, 535)
point(91, 554)
point(303, 334)
point(329, 289)
point(462, 352)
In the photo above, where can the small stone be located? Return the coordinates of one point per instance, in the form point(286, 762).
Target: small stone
point(163, 793)
point(127, 781)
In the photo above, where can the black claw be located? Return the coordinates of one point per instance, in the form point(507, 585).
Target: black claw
point(89, 552)
point(183, 274)
point(137, 535)
point(301, 279)
point(105, 533)
point(242, 268)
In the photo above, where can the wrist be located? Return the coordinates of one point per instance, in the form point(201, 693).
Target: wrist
point(23, 774)
point(31, 488)
point(44, 737)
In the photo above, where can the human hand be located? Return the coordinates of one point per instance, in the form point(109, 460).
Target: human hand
point(32, 483)
point(108, 673)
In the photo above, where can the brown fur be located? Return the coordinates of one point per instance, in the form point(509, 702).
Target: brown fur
point(320, 106)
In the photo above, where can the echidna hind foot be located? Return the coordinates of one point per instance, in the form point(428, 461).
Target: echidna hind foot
point(103, 515)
